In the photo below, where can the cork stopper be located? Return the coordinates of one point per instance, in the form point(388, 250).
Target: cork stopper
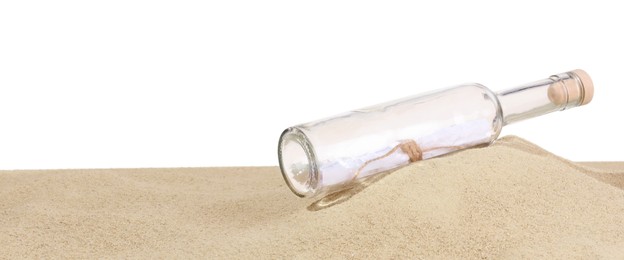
point(570, 89)
point(588, 85)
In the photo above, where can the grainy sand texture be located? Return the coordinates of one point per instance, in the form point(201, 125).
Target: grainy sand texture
point(509, 200)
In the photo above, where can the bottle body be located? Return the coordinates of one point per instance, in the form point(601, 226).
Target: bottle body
point(326, 155)
point(332, 154)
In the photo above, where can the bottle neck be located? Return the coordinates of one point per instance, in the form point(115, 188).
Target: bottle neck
point(556, 93)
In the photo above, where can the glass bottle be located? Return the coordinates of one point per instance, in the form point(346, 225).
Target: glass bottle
point(332, 154)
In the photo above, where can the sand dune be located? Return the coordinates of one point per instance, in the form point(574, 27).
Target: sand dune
point(509, 200)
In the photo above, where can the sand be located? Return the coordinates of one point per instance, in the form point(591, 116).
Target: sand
point(509, 200)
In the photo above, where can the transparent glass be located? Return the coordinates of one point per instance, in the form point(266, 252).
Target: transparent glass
point(332, 154)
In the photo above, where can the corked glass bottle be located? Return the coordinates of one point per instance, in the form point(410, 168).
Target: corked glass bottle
point(332, 154)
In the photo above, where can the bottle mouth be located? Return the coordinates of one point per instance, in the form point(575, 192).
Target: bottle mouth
point(298, 162)
point(571, 89)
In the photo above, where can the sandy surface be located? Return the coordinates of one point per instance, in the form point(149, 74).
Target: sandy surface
point(508, 200)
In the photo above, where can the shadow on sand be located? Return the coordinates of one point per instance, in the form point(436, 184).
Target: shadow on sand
point(344, 195)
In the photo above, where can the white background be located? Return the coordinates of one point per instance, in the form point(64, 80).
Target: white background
point(103, 84)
